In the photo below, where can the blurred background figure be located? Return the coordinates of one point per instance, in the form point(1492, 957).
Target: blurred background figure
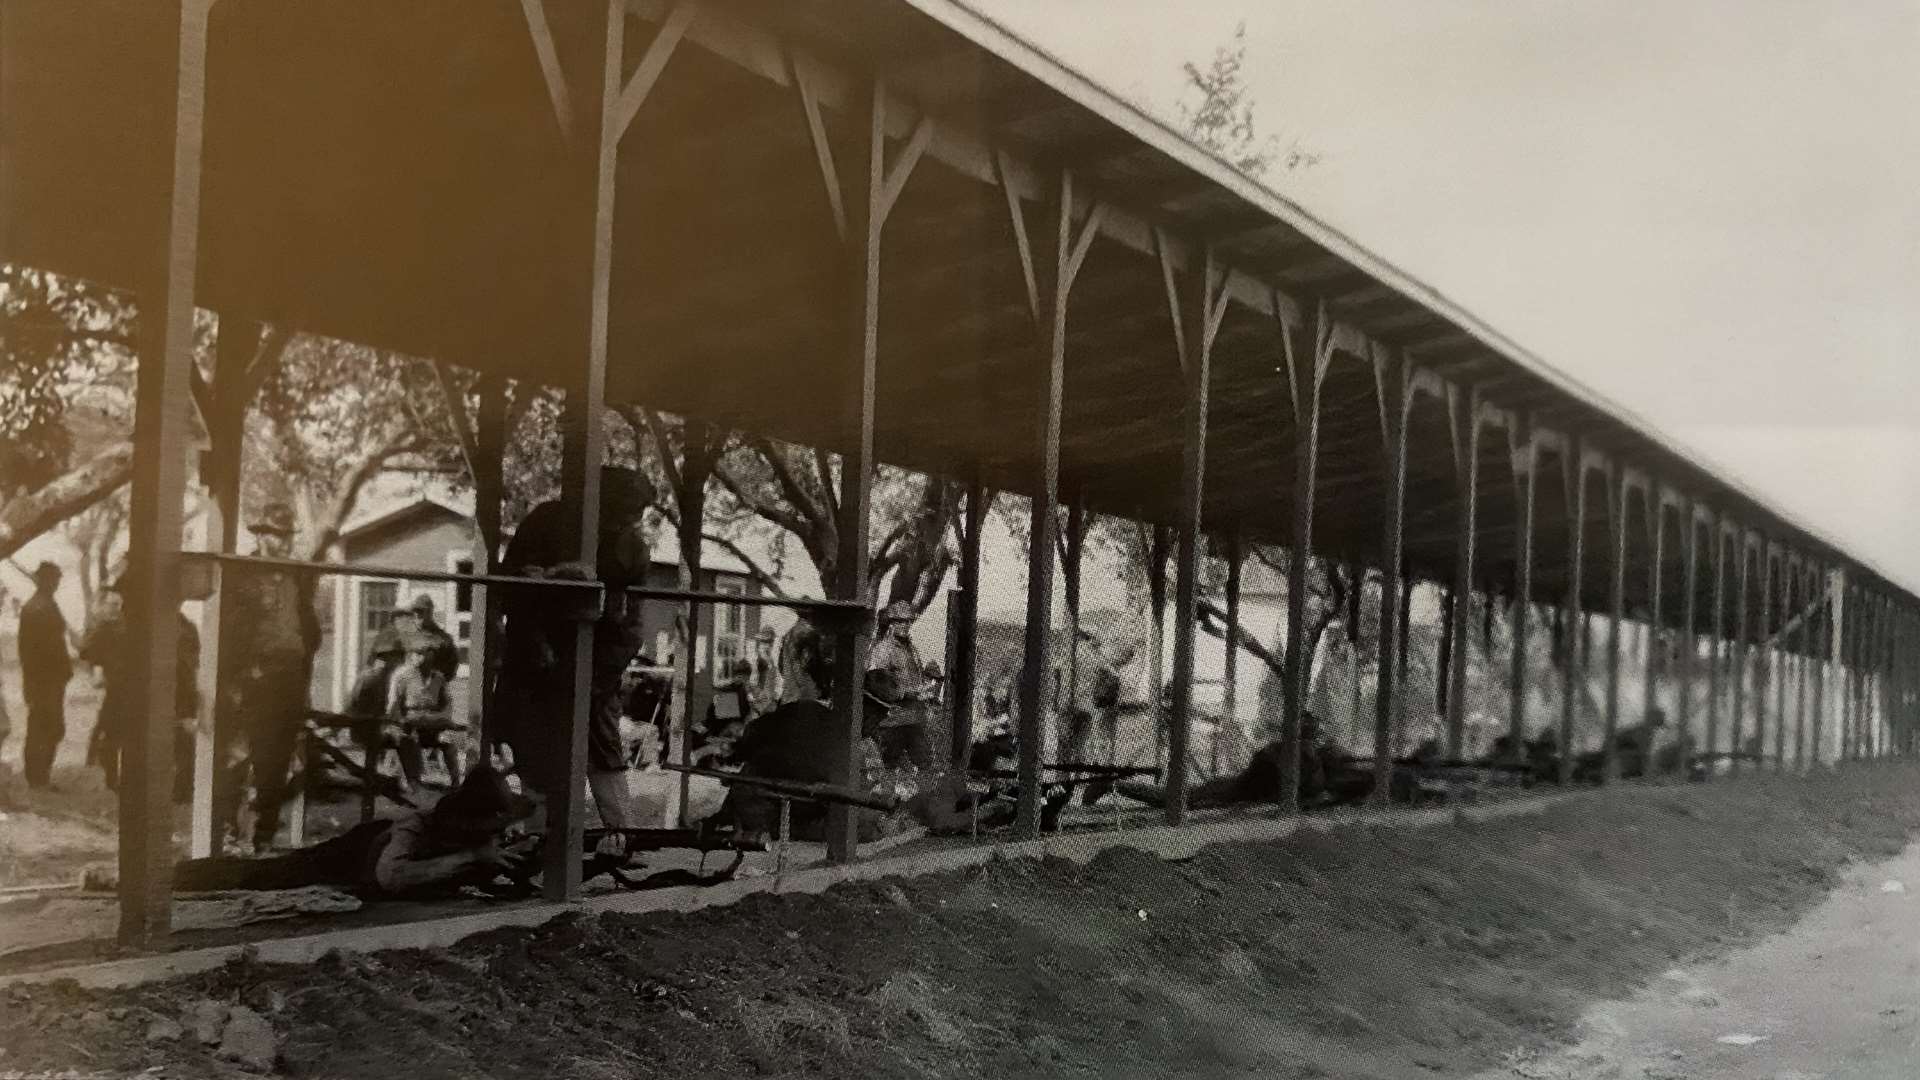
point(45, 670)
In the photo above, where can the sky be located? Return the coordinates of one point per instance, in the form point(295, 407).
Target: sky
point(1705, 210)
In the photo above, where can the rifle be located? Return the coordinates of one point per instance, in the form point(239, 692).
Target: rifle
point(804, 790)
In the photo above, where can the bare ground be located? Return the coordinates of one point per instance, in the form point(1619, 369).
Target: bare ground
point(1359, 953)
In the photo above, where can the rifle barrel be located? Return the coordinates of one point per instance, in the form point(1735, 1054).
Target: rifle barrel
point(794, 789)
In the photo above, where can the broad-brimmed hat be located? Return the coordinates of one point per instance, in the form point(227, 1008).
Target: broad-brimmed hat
point(274, 519)
point(47, 569)
point(421, 605)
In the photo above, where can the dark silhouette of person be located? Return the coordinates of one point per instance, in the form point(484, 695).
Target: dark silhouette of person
point(45, 669)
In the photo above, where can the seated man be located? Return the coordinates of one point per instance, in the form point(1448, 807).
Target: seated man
point(420, 854)
point(423, 708)
point(1259, 782)
point(796, 741)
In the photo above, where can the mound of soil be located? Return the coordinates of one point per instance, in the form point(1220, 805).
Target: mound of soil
point(1359, 953)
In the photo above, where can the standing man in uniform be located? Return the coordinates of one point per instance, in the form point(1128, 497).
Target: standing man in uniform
point(442, 656)
point(45, 669)
point(537, 664)
point(275, 632)
point(904, 734)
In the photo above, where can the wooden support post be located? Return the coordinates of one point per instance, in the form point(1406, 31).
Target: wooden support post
point(162, 397)
point(1196, 311)
point(1526, 459)
point(489, 497)
point(1783, 652)
point(1618, 497)
point(1575, 467)
point(1765, 669)
point(1803, 669)
point(860, 272)
point(1403, 626)
point(583, 425)
point(1689, 633)
point(1230, 692)
point(1847, 610)
point(1717, 641)
point(1053, 269)
point(1655, 653)
point(1306, 375)
point(1883, 676)
point(966, 656)
point(1464, 406)
point(1743, 542)
point(1829, 676)
point(1395, 377)
point(235, 347)
point(1160, 545)
point(1072, 546)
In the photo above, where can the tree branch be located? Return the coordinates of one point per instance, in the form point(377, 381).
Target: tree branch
point(27, 516)
point(348, 495)
point(766, 508)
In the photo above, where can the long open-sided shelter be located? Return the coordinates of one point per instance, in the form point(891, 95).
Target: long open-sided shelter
point(891, 229)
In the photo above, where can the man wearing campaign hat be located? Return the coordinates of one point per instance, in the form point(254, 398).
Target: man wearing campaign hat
point(275, 631)
point(45, 669)
point(905, 735)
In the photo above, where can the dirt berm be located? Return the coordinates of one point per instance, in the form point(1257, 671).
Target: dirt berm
point(1359, 953)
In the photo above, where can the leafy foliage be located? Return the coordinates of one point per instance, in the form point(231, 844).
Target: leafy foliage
point(1219, 113)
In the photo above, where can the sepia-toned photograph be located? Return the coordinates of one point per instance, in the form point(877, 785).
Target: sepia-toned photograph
point(957, 539)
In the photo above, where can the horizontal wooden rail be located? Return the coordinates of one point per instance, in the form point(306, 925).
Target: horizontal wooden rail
point(831, 608)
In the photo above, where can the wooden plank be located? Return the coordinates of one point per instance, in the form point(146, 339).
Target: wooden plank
point(489, 493)
point(966, 655)
point(1050, 374)
point(1782, 650)
point(1396, 379)
point(1306, 394)
point(653, 63)
point(1763, 648)
point(235, 344)
point(583, 432)
point(1526, 473)
point(1829, 674)
point(862, 314)
point(1689, 649)
point(1802, 640)
point(1716, 639)
point(1656, 626)
point(540, 31)
point(1465, 414)
point(1230, 697)
point(1619, 500)
point(1195, 311)
point(1574, 464)
point(162, 400)
point(1742, 630)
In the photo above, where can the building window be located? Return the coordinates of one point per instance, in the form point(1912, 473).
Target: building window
point(379, 603)
point(729, 627)
point(463, 590)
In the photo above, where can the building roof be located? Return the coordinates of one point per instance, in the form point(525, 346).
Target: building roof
point(371, 168)
point(663, 547)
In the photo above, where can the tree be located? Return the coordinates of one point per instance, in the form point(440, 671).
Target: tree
point(797, 490)
point(1218, 112)
point(332, 416)
point(64, 354)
